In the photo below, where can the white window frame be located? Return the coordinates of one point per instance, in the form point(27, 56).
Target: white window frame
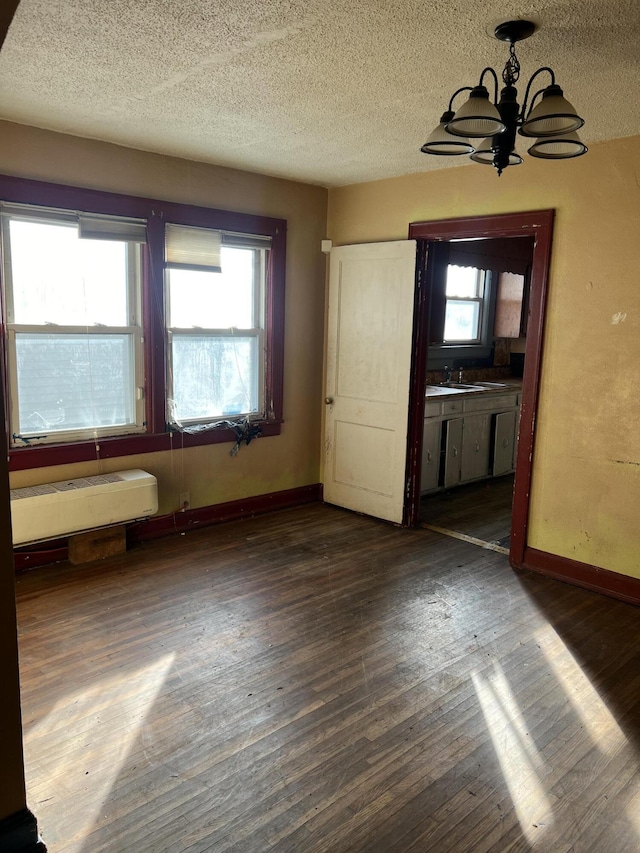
point(134, 329)
point(479, 299)
point(261, 246)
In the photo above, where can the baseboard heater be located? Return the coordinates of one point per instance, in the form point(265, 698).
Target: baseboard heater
point(53, 510)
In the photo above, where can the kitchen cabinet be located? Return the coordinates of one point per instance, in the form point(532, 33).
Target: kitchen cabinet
point(504, 443)
point(509, 317)
point(474, 435)
point(430, 454)
point(467, 446)
point(452, 451)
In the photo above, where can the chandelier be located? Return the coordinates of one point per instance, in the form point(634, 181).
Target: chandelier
point(487, 131)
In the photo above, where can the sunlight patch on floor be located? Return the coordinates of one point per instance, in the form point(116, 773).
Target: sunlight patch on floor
point(79, 748)
point(594, 715)
point(633, 813)
point(518, 757)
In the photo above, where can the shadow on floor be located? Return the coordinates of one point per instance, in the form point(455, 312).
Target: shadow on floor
point(481, 510)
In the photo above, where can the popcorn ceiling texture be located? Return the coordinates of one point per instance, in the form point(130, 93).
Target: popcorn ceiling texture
point(321, 91)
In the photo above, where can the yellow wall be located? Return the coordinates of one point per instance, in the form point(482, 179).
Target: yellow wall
point(209, 473)
point(586, 470)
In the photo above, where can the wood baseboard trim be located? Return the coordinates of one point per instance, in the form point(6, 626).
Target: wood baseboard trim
point(179, 522)
point(609, 583)
point(19, 834)
point(44, 554)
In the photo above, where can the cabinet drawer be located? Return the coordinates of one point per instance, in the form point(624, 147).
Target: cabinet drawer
point(432, 410)
point(452, 407)
point(492, 403)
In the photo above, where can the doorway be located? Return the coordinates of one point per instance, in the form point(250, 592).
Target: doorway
point(431, 236)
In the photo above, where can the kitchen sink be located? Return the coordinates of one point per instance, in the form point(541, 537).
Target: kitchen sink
point(459, 385)
point(493, 384)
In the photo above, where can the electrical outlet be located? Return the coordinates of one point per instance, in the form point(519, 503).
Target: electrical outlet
point(185, 501)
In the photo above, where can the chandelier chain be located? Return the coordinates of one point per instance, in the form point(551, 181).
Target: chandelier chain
point(511, 70)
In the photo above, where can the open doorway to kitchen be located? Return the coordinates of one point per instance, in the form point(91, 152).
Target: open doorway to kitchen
point(480, 298)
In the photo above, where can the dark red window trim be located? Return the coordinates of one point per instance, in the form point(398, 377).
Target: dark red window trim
point(157, 212)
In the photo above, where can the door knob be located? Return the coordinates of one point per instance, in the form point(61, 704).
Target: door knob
point(329, 401)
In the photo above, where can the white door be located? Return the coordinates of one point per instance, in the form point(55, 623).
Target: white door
point(369, 343)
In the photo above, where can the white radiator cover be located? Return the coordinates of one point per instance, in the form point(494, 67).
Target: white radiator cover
point(57, 509)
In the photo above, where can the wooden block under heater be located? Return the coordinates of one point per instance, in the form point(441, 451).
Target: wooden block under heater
point(97, 544)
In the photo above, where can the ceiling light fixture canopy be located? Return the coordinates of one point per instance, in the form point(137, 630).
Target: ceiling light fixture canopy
point(546, 115)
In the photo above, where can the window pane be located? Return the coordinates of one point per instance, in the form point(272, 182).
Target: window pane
point(462, 281)
point(212, 300)
point(74, 382)
point(461, 321)
point(213, 377)
point(58, 278)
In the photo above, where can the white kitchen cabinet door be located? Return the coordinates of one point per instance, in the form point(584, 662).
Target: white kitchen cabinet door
point(430, 470)
point(369, 347)
point(504, 439)
point(452, 452)
point(475, 447)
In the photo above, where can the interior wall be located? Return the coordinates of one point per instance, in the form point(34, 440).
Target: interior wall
point(586, 468)
point(209, 473)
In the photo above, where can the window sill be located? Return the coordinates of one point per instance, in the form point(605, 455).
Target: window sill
point(42, 456)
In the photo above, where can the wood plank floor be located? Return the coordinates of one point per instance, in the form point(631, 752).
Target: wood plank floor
point(481, 510)
point(314, 680)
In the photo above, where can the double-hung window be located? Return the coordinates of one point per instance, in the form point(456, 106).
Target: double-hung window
point(72, 297)
point(215, 316)
point(127, 319)
point(465, 298)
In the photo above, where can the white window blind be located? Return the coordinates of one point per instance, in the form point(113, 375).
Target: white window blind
point(108, 228)
point(188, 248)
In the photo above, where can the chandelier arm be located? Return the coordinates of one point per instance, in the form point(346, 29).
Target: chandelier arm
point(537, 95)
point(528, 89)
point(457, 92)
point(495, 81)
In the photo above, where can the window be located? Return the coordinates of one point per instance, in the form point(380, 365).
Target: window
point(465, 288)
point(461, 306)
point(126, 320)
point(215, 322)
point(74, 336)
point(463, 282)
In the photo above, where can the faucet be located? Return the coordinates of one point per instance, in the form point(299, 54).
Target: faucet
point(460, 376)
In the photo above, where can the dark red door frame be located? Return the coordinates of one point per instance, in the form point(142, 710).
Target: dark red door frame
point(539, 225)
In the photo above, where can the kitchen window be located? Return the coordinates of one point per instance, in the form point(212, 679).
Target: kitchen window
point(469, 302)
point(465, 290)
point(132, 325)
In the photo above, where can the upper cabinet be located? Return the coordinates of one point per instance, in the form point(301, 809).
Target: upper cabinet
point(510, 317)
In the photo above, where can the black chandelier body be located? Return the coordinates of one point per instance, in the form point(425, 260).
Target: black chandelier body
point(546, 115)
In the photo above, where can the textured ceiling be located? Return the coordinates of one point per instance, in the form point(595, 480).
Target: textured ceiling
point(321, 91)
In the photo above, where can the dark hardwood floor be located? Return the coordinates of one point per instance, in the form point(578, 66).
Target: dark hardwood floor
point(314, 680)
point(481, 510)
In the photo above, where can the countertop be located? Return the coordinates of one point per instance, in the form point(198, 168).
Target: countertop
point(474, 388)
